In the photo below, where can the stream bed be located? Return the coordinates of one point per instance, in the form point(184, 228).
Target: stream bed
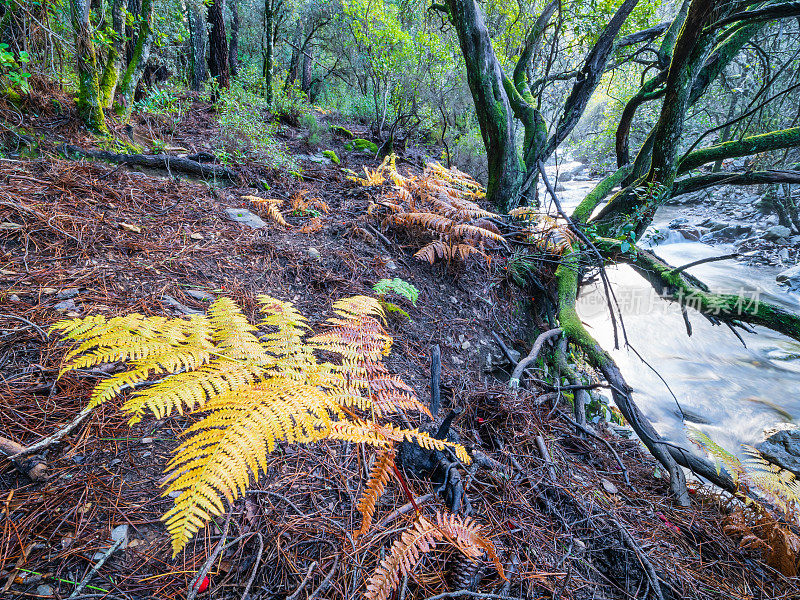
point(731, 392)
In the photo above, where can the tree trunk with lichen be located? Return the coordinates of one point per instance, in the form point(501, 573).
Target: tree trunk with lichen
point(116, 54)
point(218, 62)
point(90, 105)
point(233, 49)
point(138, 61)
point(197, 49)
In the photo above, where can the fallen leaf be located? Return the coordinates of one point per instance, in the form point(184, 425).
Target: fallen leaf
point(129, 227)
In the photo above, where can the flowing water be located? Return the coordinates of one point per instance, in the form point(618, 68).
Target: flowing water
point(731, 392)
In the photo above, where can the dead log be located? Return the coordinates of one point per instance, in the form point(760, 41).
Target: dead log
point(154, 161)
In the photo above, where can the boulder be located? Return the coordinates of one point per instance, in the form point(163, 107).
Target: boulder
point(777, 232)
point(678, 223)
point(783, 449)
point(790, 277)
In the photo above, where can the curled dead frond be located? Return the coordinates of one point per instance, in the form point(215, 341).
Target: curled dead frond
point(406, 552)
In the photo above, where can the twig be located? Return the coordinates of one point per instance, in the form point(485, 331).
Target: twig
point(98, 565)
point(324, 585)
point(56, 437)
point(514, 382)
point(419, 500)
point(303, 583)
point(41, 331)
point(588, 431)
point(546, 456)
point(655, 585)
point(469, 594)
point(255, 566)
point(194, 583)
point(504, 348)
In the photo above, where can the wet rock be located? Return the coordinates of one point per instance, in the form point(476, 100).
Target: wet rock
point(777, 232)
point(790, 277)
point(714, 225)
point(245, 217)
point(692, 234)
point(783, 449)
point(784, 254)
point(179, 306)
point(678, 223)
point(66, 306)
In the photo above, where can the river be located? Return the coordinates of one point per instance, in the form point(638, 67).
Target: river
point(731, 392)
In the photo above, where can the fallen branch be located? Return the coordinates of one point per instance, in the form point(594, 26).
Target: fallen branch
point(516, 376)
point(153, 161)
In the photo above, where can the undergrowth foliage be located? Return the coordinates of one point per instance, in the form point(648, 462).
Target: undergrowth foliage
point(252, 387)
point(442, 205)
point(767, 502)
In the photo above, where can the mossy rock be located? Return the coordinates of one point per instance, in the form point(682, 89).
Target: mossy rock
point(342, 131)
point(331, 155)
point(362, 145)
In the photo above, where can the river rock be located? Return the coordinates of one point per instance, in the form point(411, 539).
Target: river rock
point(678, 223)
point(777, 232)
point(245, 217)
point(783, 449)
point(790, 277)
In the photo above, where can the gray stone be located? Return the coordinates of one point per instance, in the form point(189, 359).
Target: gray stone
point(66, 305)
point(391, 265)
point(783, 449)
point(44, 590)
point(466, 346)
point(313, 253)
point(795, 240)
point(784, 254)
point(777, 232)
point(200, 295)
point(609, 487)
point(179, 306)
point(67, 293)
point(245, 217)
point(790, 277)
point(14, 298)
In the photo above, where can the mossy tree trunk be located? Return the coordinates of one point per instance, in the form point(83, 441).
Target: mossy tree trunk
point(90, 103)
point(116, 54)
point(138, 61)
point(268, 49)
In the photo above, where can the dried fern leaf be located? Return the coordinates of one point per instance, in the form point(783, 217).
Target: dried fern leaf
point(268, 207)
point(379, 476)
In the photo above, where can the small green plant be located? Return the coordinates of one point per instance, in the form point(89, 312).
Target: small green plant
point(13, 75)
point(362, 145)
point(400, 287)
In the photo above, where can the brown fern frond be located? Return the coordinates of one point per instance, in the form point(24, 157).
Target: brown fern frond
point(313, 225)
point(403, 556)
point(463, 534)
point(268, 207)
point(433, 250)
point(425, 220)
point(473, 233)
point(379, 476)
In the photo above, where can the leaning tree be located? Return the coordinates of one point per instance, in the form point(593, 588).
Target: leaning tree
point(689, 53)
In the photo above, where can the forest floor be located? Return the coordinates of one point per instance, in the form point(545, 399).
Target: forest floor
point(79, 238)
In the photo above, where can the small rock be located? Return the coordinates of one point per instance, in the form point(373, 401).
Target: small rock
point(391, 265)
point(44, 590)
point(313, 253)
point(457, 361)
point(197, 236)
point(466, 346)
point(67, 293)
point(790, 277)
point(200, 295)
point(14, 298)
point(146, 454)
point(147, 440)
point(777, 232)
point(245, 217)
point(609, 487)
point(678, 223)
point(114, 462)
point(784, 254)
point(130, 227)
point(66, 305)
point(49, 291)
point(120, 533)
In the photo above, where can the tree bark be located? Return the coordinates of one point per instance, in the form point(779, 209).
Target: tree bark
point(197, 48)
point(218, 52)
point(116, 54)
point(774, 140)
point(495, 115)
point(90, 104)
point(233, 50)
point(268, 49)
point(138, 61)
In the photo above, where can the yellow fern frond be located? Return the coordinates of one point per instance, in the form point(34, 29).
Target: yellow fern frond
point(228, 448)
point(233, 334)
point(721, 456)
point(379, 476)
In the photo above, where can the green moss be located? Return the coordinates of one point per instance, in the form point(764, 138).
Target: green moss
point(362, 145)
point(331, 155)
point(342, 131)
